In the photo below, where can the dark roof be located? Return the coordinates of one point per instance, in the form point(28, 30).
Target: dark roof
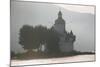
point(59, 20)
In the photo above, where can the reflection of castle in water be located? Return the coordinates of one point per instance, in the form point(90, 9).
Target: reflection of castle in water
point(66, 39)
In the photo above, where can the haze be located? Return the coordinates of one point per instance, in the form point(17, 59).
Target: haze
point(80, 21)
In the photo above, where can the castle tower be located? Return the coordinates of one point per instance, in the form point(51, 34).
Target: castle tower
point(59, 25)
point(66, 39)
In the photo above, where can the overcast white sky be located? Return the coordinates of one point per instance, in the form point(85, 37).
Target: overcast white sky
point(88, 2)
point(84, 9)
point(77, 8)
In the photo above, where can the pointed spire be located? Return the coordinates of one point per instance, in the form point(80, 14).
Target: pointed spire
point(60, 19)
point(59, 14)
point(71, 33)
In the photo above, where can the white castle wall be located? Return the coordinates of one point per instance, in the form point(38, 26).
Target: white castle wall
point(59, 28)
point(65, 46)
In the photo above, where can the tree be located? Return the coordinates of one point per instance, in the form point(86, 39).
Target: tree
point(53, 41)
point(31, 38)
point(40, 34)
point(26, 37)
point(48, 36)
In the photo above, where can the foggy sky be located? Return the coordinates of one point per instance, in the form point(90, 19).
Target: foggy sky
point(82, 24)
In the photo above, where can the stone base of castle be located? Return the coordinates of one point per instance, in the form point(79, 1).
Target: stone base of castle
point(66, 46)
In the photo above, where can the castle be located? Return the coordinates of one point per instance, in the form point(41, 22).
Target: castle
point(66, 38)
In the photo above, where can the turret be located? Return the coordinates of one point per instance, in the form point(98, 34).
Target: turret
point(59, 14)
point(59, 25)
point(71, 33)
